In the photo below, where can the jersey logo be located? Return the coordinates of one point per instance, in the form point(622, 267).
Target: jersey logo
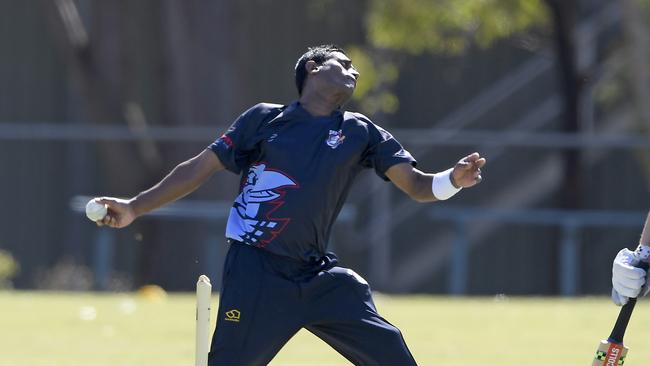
point(335, 138)
point(251, 219)
point(232, 315)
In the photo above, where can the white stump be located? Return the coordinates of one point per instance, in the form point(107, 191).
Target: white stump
point(203, 293)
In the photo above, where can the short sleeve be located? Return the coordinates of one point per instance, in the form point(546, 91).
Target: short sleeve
point(384, 151)
point(237, 147)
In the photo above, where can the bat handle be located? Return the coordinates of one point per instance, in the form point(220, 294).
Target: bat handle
point(624, 316)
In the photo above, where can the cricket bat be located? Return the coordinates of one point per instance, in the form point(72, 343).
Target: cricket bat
point(203, 293)
point(612, 352)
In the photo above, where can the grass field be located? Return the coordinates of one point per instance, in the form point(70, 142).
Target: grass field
point(41, 328)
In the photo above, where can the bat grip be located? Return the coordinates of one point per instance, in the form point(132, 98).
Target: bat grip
point(624, 316)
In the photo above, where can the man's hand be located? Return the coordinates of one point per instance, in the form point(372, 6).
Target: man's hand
point(467, 172)
point(120, 212)
point(627, 280)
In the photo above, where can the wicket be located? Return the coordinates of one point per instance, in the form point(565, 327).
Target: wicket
point(203, 293)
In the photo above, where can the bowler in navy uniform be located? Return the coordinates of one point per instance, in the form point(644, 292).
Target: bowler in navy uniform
point(297, 163)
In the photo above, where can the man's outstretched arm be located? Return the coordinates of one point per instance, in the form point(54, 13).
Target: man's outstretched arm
point(424, 187)
point(182, 180)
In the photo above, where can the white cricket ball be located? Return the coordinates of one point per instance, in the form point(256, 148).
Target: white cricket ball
point(95, 211)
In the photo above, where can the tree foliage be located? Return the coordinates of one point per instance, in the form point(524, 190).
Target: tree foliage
point(417, 26)
point(9, 267)
point(396, 27)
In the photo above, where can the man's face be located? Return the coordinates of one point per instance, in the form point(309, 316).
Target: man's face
point(336, 75)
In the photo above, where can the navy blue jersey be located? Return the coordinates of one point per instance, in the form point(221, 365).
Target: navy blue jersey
point(296, 173)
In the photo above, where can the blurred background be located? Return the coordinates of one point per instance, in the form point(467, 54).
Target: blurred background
point(105, 97)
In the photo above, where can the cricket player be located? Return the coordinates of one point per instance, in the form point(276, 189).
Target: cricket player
point(628, 280)
point(297, 163)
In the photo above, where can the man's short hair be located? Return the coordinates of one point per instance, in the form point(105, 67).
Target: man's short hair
point(319, 54)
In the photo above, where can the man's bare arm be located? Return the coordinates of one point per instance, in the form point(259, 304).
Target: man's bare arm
point(418, 185)
point(182, 180)
point(415, 183)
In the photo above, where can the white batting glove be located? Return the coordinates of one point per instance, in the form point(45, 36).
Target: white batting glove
point(627, 280)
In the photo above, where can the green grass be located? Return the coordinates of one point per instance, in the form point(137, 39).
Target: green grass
point(41, 328)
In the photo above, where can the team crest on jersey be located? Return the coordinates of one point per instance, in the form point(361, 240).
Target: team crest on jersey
point(335, 138)
point(251, 219)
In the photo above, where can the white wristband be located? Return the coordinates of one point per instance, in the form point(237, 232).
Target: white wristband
point(442, 187)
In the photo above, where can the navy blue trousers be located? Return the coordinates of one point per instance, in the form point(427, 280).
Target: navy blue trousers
point(266, 299)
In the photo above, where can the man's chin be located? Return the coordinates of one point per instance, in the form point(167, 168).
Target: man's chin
point(347, 92)
point(343, 94)
point(345, 99)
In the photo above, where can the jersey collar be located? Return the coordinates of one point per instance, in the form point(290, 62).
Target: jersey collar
point(295, 110)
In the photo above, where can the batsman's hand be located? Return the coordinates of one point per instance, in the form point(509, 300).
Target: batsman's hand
point(627, 280)
point(467, 172)
point(120, 212)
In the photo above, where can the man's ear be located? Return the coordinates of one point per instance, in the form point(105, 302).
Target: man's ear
point(311, 66)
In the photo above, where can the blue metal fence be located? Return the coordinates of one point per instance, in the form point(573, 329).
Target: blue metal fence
point(569, 221)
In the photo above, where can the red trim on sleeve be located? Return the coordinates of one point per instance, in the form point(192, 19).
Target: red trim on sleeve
point(227, 140)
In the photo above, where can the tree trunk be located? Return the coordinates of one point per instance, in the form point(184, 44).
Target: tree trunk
point(638, 50)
